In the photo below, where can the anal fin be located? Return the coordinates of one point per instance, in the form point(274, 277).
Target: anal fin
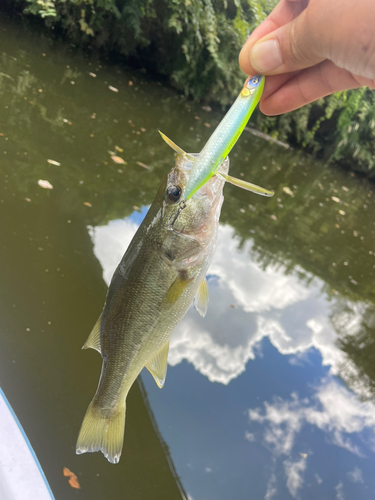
point(158, 365)
point(93, 340)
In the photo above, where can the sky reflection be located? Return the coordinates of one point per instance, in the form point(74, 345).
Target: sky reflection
point(297, 412)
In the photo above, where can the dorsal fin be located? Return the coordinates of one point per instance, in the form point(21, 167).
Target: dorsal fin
point(201, 298)
point(93, 340)
point(246, 185)
point(158, 365)
point(176, 148)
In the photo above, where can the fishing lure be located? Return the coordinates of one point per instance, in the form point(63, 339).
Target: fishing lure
point(224, 137)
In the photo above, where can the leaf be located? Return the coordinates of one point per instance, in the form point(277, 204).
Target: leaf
point(73, 481)
point(119, 160)
point(143, 165)
point(288, 191)
point(53, 162)
point(45, 184)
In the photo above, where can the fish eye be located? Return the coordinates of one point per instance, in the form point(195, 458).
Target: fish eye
point(174, 193)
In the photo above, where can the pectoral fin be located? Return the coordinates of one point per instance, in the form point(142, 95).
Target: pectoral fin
point(201, 298)
point(246, 185)
point(93, 340)
point(176, 148)
point(177, 288)
point(158, 365)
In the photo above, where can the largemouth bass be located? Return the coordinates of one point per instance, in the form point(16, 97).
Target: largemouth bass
point(162, 271)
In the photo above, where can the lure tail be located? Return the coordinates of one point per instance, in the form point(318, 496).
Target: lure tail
point(248, 186)
point(103, 430)
point(176, 148)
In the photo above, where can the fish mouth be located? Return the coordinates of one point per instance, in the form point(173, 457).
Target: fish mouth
point(212, 190)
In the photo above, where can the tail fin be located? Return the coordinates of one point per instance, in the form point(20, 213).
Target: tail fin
point(103, 431)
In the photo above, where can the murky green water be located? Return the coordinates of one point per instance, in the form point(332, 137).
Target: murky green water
point(272, 395)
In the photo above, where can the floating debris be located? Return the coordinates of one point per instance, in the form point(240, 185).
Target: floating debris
point(207, 108)
point(130, 83)
point(45, 184)
point(143, 165)
point(288, 191)
point(53, 162)
point(207, 125)
point(120, 150)
point(92, 74)
point(87, 204)
point(73, 481)
point(119, 160)
point(336, 200)
point(112, 88)
point(28, 199)
point(341, 212)
point(303, 455)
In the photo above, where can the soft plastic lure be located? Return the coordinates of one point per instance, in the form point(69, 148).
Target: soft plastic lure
point(224, 137)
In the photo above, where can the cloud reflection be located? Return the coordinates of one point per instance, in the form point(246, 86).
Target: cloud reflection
point(294, 473)
point(247, 303)
point(332, 408)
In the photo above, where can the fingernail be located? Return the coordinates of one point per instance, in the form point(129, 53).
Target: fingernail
point(266, 56)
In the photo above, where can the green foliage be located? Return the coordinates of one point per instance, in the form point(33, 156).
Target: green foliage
point(42, 8)
point(195, 43)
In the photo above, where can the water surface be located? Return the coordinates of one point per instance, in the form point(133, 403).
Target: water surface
point(271, 395)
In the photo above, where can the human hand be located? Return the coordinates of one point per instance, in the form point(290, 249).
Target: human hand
point(311, 49)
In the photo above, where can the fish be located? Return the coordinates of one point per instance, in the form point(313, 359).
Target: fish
point(161, 273)
point(223, 139)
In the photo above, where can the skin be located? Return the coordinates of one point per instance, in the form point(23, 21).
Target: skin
point(317, 47)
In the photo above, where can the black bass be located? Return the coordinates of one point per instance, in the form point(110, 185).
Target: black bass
point(161, 273)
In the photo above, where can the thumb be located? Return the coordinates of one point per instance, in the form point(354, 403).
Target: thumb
point(297, 45)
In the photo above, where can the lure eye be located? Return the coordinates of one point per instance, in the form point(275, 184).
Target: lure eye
point(174, 193)
point(254, 81)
